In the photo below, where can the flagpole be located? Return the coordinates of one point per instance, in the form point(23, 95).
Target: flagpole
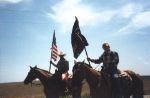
point(87, 56)
point(50, 63)
point(51, 56)
point(50, 66)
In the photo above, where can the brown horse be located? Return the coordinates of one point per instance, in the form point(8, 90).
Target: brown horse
point(100, 84)
point(53, 87)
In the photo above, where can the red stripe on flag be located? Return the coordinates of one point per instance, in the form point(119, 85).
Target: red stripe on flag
point(54, 58)
point(54, 52)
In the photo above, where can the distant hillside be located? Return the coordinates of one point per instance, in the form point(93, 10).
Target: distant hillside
point(145, 77)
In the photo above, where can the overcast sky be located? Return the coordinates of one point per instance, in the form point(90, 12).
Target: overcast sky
point(26, 29)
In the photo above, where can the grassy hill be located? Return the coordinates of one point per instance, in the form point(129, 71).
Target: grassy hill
point(19, 90)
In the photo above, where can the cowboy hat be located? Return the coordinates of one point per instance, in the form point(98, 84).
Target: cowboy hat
point(62, 54)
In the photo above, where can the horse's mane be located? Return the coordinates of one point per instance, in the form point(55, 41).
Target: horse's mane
point(88, 69)
point(44, 72)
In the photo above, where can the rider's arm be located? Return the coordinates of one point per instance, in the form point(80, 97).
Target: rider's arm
point(53, 63)
point(97, 61)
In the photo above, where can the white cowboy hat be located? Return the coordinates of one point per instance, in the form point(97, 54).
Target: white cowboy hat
point(62, 54)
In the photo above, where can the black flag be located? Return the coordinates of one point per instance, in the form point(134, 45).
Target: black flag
point(77, 39)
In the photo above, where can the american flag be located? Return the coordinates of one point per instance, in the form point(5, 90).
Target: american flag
point(54, 51)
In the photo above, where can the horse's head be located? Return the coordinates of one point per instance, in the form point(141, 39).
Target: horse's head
point(82, 71)
point(31, 75)
point(78, 76)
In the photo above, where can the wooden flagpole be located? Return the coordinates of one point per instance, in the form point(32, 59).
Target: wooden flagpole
point(87, 56)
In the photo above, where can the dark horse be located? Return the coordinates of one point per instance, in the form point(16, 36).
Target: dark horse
point(100, 83)
point(53, 88)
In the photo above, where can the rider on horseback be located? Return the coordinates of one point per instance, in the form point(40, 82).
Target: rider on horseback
point(61, 74)
point(110, 60)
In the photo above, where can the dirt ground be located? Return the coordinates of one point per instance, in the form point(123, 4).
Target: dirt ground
point(19, 90)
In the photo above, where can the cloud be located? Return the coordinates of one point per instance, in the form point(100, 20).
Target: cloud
point(139, 21)
point(5, 2)
point(143, 60)
point(65, 11)
point(10, 1)
point(129, 10)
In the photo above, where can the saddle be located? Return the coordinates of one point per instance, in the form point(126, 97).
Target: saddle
point(62, 81)
point(124, 75)
point(125, 81)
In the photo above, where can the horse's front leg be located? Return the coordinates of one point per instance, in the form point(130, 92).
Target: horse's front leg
point(76, 92)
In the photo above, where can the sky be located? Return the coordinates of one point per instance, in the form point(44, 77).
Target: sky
point(27, 26)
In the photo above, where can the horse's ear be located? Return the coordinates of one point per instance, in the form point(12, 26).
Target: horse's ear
point(35, 66)
point(30, 67)
point(83, 61)
point(75, 61)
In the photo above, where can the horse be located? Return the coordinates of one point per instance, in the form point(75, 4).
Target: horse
point(100, 83)
point(53, 87)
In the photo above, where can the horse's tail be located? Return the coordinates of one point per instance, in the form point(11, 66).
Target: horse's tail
point(137, 84)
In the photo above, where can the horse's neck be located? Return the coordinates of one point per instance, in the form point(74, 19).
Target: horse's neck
point(99, 85)
point(92, 76)
point(93, 73)
point(42, 76)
